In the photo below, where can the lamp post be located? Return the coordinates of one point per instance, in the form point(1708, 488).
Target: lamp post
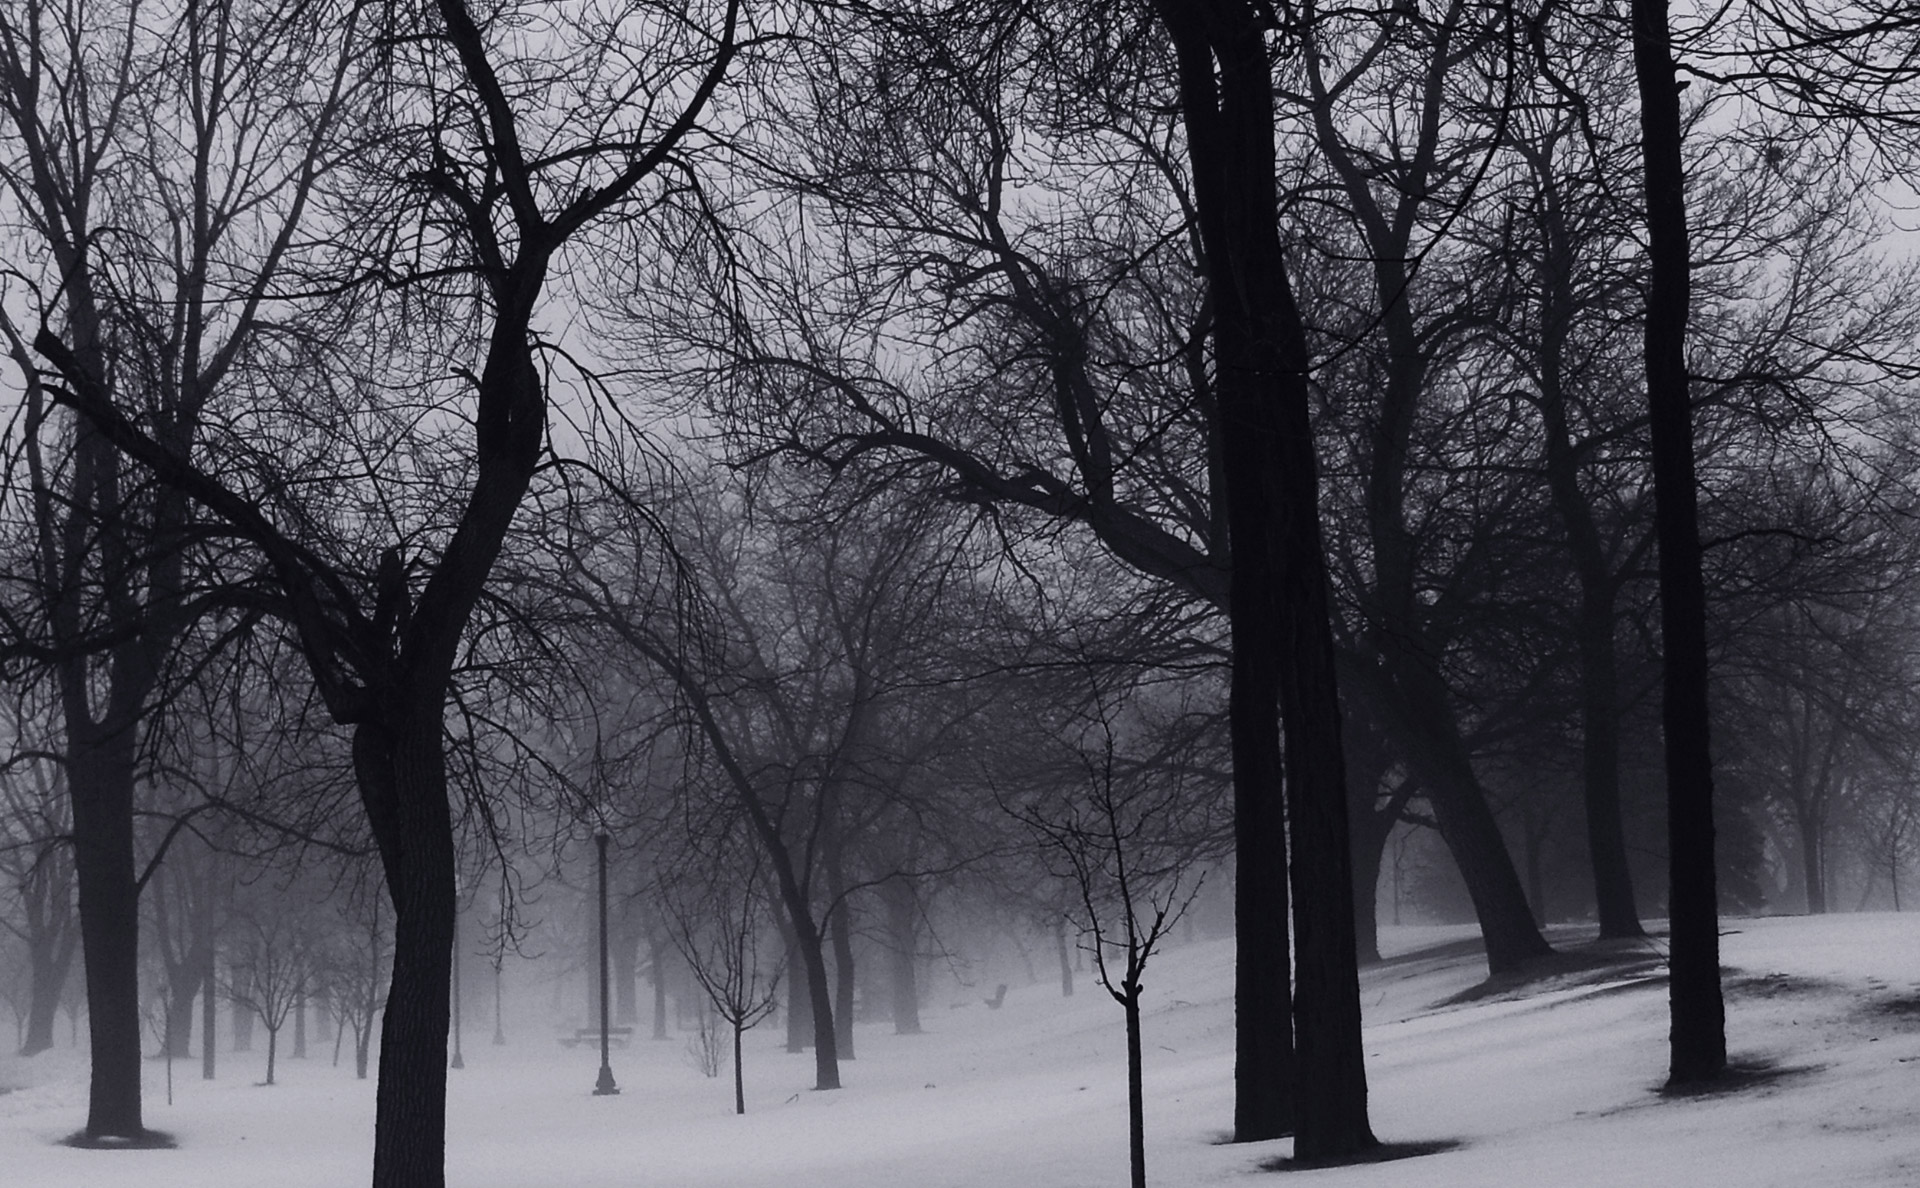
point(604, 1086)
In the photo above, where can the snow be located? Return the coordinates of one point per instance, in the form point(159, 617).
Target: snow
point(1552, 1083)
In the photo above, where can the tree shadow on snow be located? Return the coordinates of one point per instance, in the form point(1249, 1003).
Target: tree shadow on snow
point(146, 1140)
point(1378, 1153)
point(1738, 1077)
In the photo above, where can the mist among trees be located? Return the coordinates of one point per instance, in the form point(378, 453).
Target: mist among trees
point(942, 489)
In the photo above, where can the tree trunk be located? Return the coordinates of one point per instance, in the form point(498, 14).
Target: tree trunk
point(182, 988)
point(100, 779)
point(207, 1037)
point(1698, 1040)
point(739, 1078)
point(799, 996)
point(273, 1050)
point(903, 944)
point(1600, 767)
point(1599, 674)
point(1066, 961)
point(1282, 638)
point(657, 957)
point(51, 958)
point(841, 931)
point(1415, 707)
point(1369, 850)
point(1812, 861)
point(242, 1028)
point(826, 1040)
point(1370, 824)
point(626, 974)
point(1219, 119)
point(1136, 1094)
point(300, 1025)
point(402, 775)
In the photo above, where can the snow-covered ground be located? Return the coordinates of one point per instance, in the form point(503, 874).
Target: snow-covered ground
point(1549, 1084)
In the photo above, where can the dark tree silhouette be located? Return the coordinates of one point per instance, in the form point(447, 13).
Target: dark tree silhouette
point(1699, 1036)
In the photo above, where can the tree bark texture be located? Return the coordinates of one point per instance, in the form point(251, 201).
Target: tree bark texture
point(1698, 1043)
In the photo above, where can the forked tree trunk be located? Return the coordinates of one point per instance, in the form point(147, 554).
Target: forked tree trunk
point(1282, 641)
point(1698, 1037)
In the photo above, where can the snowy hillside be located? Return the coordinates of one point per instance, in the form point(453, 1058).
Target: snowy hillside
point(1552, 1083)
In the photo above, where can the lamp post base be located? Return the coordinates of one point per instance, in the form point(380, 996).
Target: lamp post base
point(605, 1087)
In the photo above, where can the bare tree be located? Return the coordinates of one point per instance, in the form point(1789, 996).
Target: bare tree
point(482, 178)
point(1125, 849)
point(272, 949)
point(718, 930)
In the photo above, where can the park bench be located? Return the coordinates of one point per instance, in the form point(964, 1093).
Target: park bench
point(616, 1036)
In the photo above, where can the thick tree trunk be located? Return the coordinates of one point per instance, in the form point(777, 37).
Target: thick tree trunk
point(300, 1026)
point(903, 944)
point(1222, 116)
point(273, 1050)
point(799, 997)
point(1415, 706)
point(1698, 1040)
point(100, 777)
point(242, 1028)
point(1281, 634)
point(826, 1040)
point(402, 775)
